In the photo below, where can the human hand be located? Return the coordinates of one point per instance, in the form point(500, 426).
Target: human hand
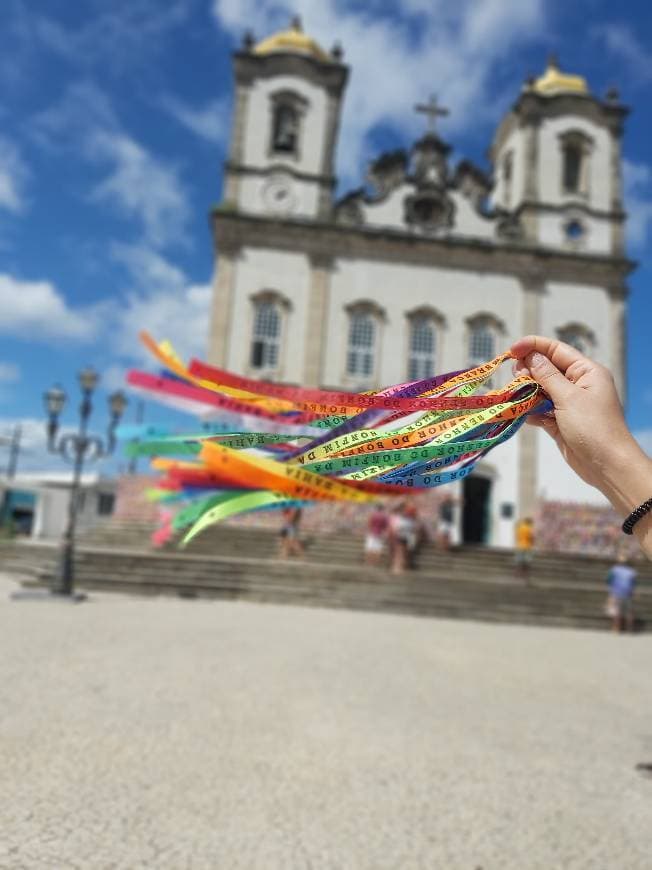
point(587, 423)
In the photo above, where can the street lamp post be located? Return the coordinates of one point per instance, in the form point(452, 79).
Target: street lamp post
point(77, 448)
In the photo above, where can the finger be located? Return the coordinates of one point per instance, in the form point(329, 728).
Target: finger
point(547, 375)
point(562, 355)
point(548, 424)
point(519, 369)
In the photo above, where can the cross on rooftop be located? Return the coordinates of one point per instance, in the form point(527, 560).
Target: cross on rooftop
point(431, 110)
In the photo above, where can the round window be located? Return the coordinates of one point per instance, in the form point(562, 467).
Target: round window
point(574, 230)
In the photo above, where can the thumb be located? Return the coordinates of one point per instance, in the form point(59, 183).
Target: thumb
point(548, 376)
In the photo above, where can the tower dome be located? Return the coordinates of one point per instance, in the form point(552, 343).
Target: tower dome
point(554, 81)
point(293, 41)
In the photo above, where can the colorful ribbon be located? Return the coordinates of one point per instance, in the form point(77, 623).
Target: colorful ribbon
point(267, 446)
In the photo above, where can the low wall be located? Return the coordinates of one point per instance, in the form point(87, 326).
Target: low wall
point(559, 526)
point(326, 517)
point(571, 527)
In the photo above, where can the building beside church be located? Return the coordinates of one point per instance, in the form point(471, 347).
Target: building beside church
point(427, 267)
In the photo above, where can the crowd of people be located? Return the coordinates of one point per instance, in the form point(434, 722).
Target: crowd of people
point(567, 527)
point(394, 535)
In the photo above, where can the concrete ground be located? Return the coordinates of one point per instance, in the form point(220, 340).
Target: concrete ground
point(171, 734)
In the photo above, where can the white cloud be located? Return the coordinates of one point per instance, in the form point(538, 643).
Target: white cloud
point(141, 186)
point(625, 45)
point(37, 310)
point(161, 301)
point(9, 373)
point(147, 268)
point(34, 455)
point(210, 122)
point(70, 121)
point(13, 175)
point(116, 37)
point(429, 46)
point(33, 431)
point(114, 377)
point(637, 178)
point(179, 317)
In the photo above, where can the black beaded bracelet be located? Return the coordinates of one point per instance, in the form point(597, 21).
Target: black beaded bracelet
point(636, 515)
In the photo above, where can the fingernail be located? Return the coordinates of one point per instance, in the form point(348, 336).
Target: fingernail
point(535, 359)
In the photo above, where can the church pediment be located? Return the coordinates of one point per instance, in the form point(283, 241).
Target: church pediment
point(425, 204)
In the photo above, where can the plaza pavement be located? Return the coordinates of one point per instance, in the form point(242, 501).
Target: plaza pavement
point(172, 734)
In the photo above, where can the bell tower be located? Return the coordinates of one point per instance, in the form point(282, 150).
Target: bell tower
point(286, 118)
point(557, 164)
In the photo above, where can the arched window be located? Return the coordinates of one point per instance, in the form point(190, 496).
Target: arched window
point(572, 168)
point(578, 336)
point(287, 109)
point(267, 332)
point(575, 151)
point(361, 357)
point(362, 343)
point(482, 343)
point(424, 325)
point(286, 128)
point(422, 350)
point(508, 172)
point(483, 332)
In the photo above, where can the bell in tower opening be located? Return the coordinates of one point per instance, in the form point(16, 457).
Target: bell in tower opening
point(286, 129)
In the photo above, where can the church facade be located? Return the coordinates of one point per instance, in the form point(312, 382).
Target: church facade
point(426, 268)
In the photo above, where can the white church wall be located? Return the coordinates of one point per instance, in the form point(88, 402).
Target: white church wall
point(390, 211)
point(467, 222)
point(288, 274)
point(556, 481)
point(516, 144)
point(588, 305)
point(313, 128)
point(552, 233)
point(399, 289)
point(550, 165)
point(501, 467)
point(256, 195)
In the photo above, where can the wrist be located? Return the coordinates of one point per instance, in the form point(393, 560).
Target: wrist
point(627, 478)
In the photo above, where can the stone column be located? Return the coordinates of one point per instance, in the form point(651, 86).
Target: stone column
point(221, 326)
point(533, 287)
point(331, 125)
point(317, 319)
point(618, 360)
point(531, 181)
point(236, 151)
point(616, 182)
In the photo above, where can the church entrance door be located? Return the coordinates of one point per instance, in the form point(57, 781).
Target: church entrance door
point(475, 509)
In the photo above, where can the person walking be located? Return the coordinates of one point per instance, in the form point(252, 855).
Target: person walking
point(621, 581)
point(290, 545)
point(524, 534)
point(402, 535)
point(374, 543)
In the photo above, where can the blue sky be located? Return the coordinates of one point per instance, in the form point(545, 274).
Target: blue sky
point(114, 117)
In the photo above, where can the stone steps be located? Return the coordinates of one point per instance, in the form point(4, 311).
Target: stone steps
point(341, 586)
point(466, 583)
point(261, 543)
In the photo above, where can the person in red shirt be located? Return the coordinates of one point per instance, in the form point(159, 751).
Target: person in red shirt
point(374, 544)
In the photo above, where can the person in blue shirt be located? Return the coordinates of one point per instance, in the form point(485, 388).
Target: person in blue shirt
point(621, 581)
